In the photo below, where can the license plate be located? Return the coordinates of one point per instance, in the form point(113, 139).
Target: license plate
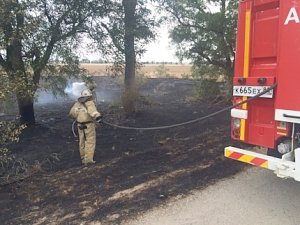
point(250, 91)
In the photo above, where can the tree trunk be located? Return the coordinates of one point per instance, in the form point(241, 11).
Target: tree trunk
point(24, 96)
point(130, 58)
point(26, 110)
point(16, 70)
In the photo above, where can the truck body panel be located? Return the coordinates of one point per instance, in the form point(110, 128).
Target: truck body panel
point(288, 95)
point(256, 61)
point(268, 53)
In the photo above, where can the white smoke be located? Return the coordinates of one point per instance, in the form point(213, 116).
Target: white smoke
point(74, 89)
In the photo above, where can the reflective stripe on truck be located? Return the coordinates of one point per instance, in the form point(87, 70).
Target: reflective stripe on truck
point(245, 157)
point(284, 168)
point(246, 67)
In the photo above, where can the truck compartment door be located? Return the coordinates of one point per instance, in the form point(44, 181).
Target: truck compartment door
point(288, 90)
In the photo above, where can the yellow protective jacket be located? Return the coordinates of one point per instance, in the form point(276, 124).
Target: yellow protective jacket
point(84, 112)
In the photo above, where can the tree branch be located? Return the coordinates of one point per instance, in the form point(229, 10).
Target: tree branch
point(58, 36)
point(114, 38)
point(46, 12)
point(180, 21)
point(212, 61)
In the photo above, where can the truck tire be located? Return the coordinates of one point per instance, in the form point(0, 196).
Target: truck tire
point(274, 153)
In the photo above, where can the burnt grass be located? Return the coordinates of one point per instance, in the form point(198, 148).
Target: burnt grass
point(135, 170)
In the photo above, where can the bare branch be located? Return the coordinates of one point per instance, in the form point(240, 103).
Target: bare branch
point(114, 38)
point(46, 12)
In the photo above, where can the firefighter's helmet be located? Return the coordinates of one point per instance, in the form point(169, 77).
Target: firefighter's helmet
point(86, 93)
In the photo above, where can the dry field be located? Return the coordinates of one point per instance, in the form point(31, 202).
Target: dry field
point(148, 70)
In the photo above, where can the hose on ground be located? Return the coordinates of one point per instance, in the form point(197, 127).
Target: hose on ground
point(194, 120)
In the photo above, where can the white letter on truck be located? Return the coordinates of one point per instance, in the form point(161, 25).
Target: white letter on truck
point(293, 16)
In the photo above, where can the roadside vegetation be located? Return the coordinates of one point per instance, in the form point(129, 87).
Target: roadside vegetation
point(10, 130)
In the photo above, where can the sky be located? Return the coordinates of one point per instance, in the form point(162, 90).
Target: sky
point(160, 50)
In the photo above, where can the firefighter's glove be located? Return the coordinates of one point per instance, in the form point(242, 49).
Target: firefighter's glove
point(99, 119)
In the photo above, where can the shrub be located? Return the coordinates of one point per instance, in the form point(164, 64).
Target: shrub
point(162, 71)
point(9, 132)
point(208, 90)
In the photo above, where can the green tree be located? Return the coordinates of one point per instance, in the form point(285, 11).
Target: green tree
point(128, 28)
point(38, 39)
point(33, 31)
point(204, 33)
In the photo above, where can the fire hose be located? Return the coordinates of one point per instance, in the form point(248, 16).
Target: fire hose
point(194, 120)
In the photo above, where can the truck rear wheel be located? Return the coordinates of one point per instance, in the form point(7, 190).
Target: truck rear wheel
point(274, 153)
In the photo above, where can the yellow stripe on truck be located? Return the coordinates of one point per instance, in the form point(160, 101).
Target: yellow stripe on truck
point(228, 152)
point(246, 67)
point(247, 44)
point(242, 129)
point(265, 165)
point(247, 158)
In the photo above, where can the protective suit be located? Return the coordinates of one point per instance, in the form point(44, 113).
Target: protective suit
point(86, 114)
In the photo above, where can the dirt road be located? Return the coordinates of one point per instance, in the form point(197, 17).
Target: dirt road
point(254, 196)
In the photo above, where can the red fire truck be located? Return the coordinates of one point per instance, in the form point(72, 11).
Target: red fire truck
point(268, 54)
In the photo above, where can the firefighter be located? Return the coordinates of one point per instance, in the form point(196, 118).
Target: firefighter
point(86, 114)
